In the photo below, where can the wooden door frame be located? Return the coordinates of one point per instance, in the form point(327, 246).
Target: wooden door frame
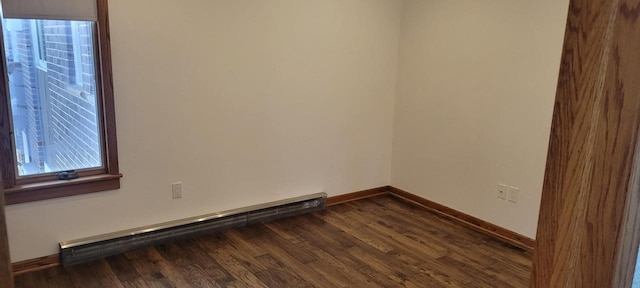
point(588, 227)
point(6, 274)
point(588, 232)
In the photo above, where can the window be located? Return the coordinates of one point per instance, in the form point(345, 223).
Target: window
point(56, 105)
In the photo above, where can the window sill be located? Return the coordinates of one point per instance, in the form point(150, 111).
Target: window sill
point(61, 188)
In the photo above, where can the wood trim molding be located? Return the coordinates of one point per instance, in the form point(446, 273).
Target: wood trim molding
point(588, 230)
point(61, 188)
point(36, 264)
point(6, 143)
point(464, 219)
point(628, 247)
point(335, 200)
point(6, 278)
point(105, 77)
point(45, 262)
point(489, 229)
point(467, 220)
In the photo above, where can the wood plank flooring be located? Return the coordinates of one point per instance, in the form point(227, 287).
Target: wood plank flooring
point(376, 242)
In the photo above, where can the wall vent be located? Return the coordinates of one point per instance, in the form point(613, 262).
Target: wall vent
point(96, 247)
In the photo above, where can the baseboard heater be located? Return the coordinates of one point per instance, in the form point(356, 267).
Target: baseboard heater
point(96, 247)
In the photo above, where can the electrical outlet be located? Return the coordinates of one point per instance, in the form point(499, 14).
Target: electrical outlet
point(502, 191)
point(176, 190)
point(514, 194)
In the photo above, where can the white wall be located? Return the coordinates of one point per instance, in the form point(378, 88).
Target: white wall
point(477, 83)
point(244, 101)
point(252, 101)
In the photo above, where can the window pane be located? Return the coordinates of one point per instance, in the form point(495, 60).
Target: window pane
point(53, 95)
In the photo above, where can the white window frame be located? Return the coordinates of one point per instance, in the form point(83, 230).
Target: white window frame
point(77, 52)
point(37, 49)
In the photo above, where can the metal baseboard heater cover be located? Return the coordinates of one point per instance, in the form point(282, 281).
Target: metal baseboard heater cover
point(96, 247)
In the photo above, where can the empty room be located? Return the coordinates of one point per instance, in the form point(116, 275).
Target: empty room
point(319, 143)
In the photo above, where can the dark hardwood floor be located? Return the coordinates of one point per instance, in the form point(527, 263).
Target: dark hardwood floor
point(376, 242)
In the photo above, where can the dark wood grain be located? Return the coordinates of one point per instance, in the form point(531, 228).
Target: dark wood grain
point(468, 220)
point(6, 276)
point(375, 242)
point(56, 189)
point(490, 229)
point(588, 227)
point(7, 158)
point(36, 264)
point(630, 230)
point(105, 78)
point(334, 200)
point(284, 228)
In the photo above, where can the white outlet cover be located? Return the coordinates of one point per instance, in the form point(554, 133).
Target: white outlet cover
point(502, 191)
point(176, 190)
point(514, 194)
